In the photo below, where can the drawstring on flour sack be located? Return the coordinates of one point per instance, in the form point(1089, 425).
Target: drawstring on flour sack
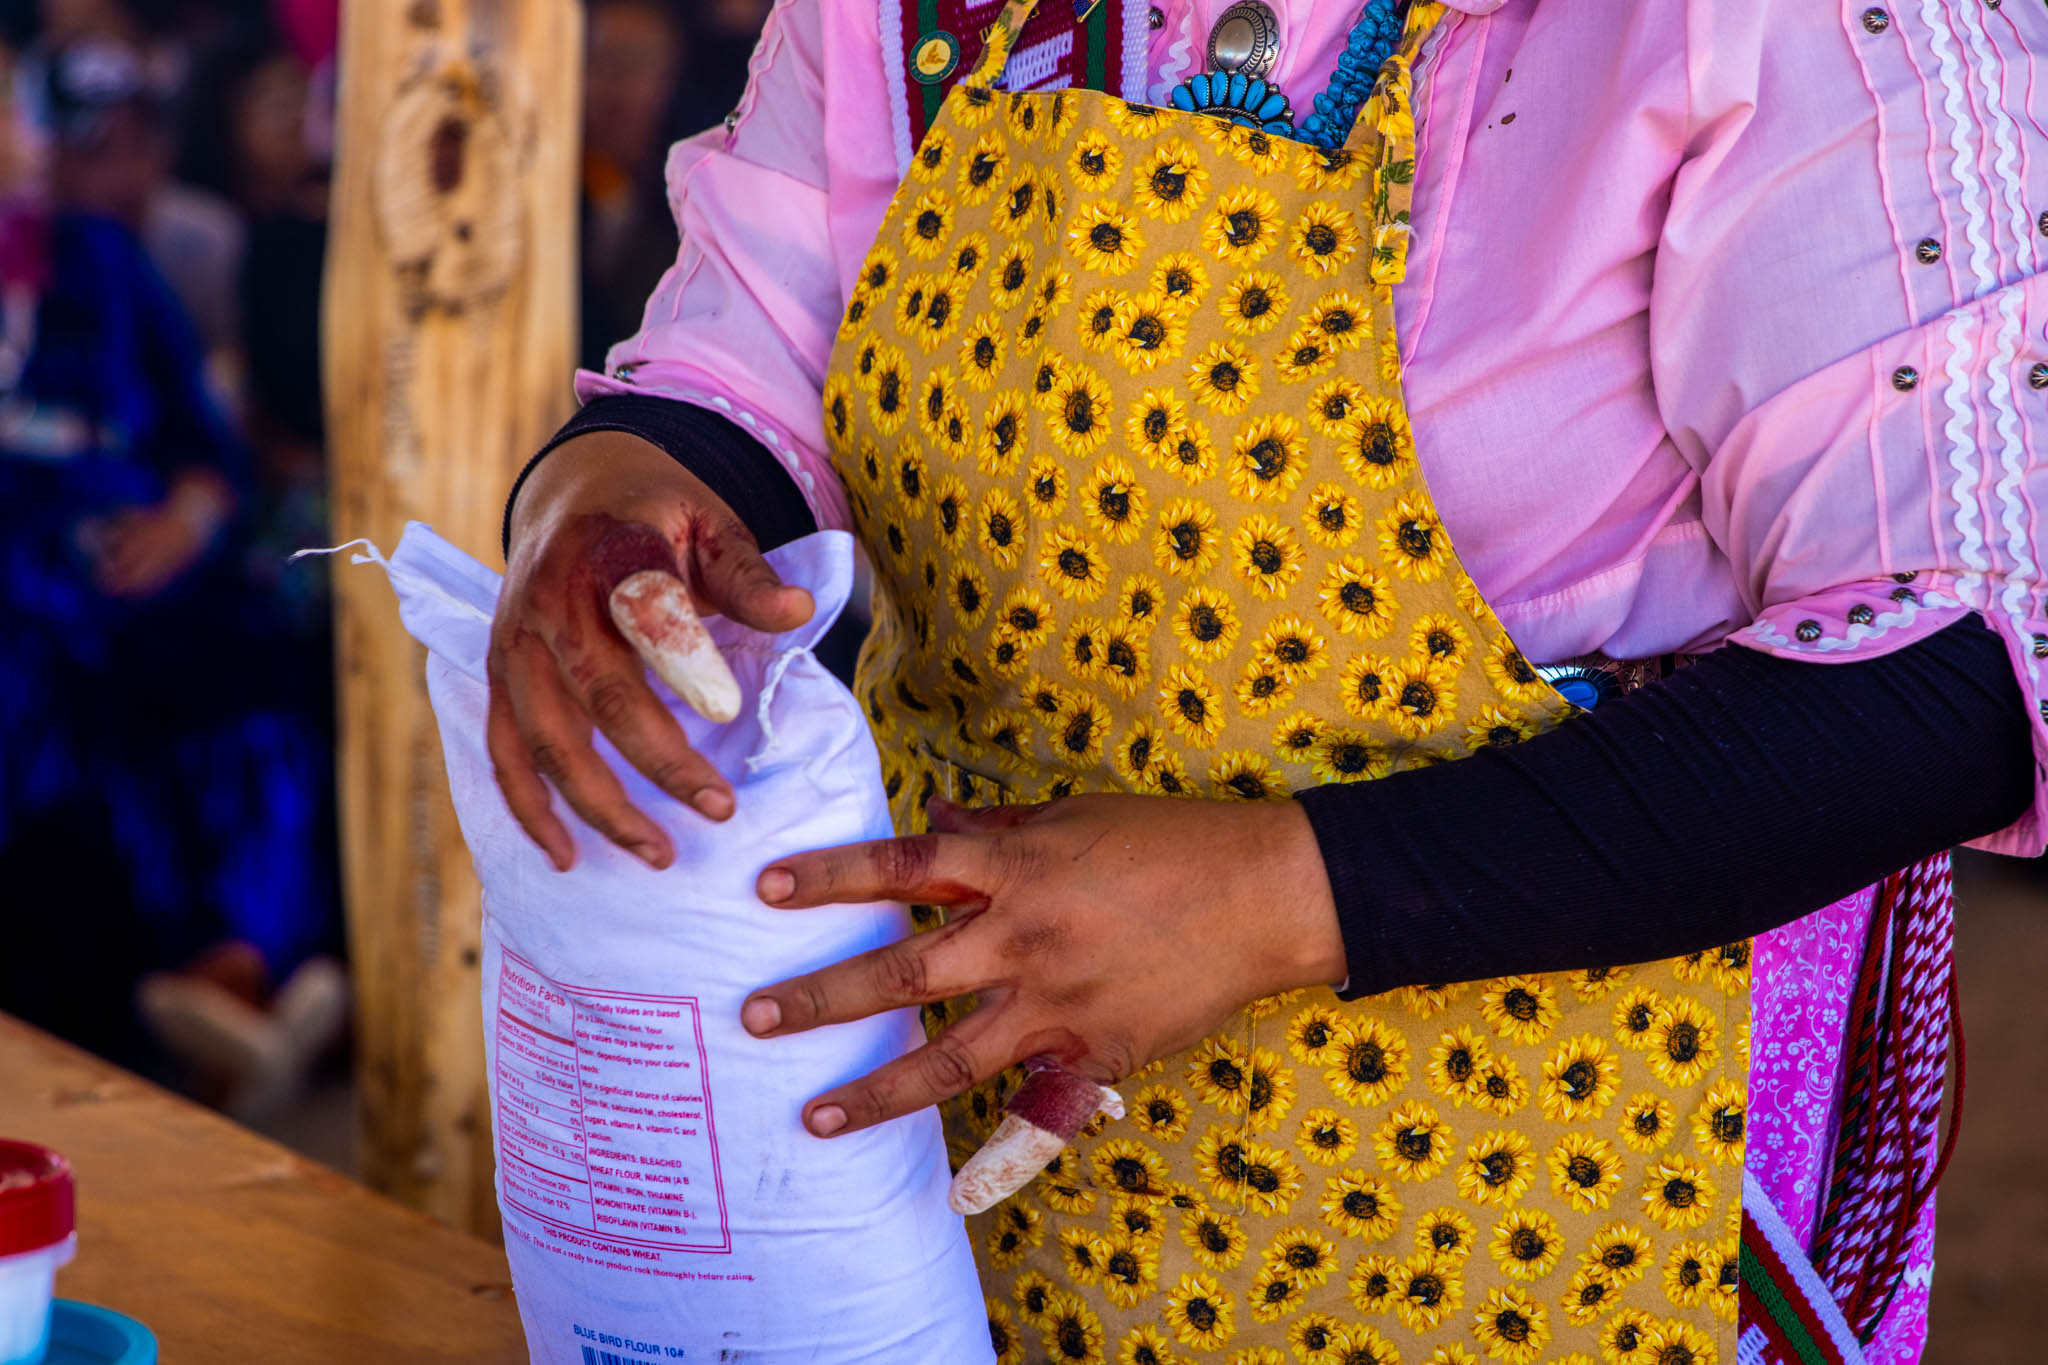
point(652, 611)
point(771, 750)
point(371, 554)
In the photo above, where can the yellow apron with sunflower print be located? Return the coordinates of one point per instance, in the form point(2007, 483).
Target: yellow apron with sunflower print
point(1117, 404)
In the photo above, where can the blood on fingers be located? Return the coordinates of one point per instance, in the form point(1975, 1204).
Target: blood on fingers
point(625, 548)
point(955, 895)
point(713, 542)
point(904, 864)
point(1062, 1044)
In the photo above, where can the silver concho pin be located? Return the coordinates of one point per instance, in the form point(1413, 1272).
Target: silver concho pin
point(1246, 39)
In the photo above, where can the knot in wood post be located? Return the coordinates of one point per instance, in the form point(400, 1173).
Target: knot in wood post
point(446, 216)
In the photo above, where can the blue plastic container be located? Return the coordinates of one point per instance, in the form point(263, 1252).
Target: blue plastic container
point(83, 1334)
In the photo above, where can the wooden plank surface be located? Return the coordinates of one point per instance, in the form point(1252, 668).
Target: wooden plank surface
point(232, 1249)
point(449, 325)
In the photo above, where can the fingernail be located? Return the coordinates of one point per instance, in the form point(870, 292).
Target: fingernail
point(827, 1119)
point(760, 1015)
point(647, 853)
point(777, 885)
point(713, 803)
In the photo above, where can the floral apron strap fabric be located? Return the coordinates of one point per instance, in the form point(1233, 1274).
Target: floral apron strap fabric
point(1117, 404)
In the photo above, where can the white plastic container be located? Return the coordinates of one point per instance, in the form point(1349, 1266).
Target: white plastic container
point(37, 1237)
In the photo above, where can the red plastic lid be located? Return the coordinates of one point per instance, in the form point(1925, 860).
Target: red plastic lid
point(37, 1208)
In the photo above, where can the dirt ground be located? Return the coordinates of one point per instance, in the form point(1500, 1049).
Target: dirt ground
point(1991, 1239)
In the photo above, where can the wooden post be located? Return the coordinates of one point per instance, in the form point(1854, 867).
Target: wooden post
point(450, 331)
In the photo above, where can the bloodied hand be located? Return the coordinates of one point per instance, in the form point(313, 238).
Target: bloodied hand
point(1103, 931)
point(608, 510)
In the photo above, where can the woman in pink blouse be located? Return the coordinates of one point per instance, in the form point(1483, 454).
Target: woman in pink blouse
point(1722, 325)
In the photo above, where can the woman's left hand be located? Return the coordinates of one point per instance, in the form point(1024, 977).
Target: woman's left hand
point(1102, 930)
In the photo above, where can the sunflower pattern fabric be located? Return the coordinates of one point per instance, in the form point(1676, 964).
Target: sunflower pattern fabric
point(1117, 404)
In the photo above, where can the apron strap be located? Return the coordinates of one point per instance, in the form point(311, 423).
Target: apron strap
point(1388, 117)
point(1000, 39)
point(1903, 1021)
point(1788, 1315)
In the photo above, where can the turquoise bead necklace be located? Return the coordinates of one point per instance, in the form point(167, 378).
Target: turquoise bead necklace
point(1257, 103)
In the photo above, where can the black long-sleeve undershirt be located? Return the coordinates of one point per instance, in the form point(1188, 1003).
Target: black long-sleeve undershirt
point(1729, 799)
point(732, 464)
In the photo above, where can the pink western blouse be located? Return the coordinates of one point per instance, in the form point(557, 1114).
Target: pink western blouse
point(1722, 322)
point(1720, 314)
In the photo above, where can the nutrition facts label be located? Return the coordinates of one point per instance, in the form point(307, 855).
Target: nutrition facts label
point(604, 1113)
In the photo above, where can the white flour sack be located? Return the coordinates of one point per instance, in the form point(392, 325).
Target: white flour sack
point(662, 1201)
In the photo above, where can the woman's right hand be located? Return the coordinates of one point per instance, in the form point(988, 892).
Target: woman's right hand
point(600, 508)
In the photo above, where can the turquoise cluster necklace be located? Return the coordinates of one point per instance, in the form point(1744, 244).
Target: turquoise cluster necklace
point(1243, 95)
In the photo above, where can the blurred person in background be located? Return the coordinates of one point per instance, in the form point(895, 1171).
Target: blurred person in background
point(159, 791)
point(194, 236)
point(654, 71)
point(720, 36)
point(312, 30)
point(62, 21)
point(247, 141)
point(633, 64)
